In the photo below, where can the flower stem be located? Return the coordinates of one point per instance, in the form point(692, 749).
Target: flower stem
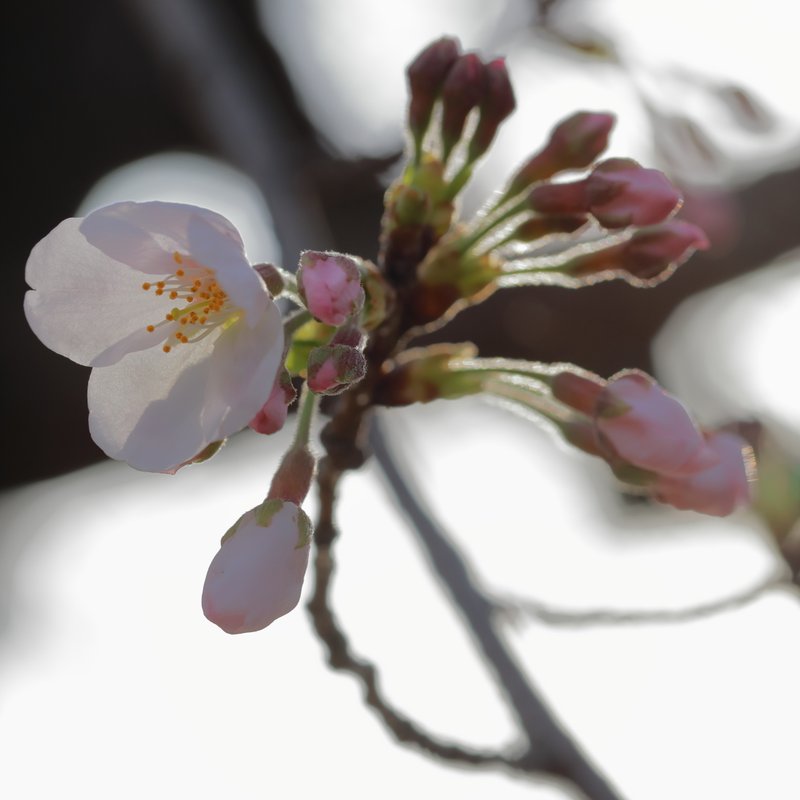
point(306, 407)
point(493, 222)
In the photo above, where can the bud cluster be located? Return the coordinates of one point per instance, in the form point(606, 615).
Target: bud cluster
point(563, 217)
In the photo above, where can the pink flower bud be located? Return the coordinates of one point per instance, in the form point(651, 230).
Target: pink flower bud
point(463, 89)
point(644, 425)
point(718, 489)
point(330, 285)
point(257, 575)
point(334, 368)
point(272, 416)
point(574, 144)
point(498, 104)
point(426, 74)
point(650, 251)
point(559, 198)
point(621, 193)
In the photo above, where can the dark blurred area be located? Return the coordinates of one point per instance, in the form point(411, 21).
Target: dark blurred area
point(93, 85)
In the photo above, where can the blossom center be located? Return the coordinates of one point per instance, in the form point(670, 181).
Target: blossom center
point(202, 303)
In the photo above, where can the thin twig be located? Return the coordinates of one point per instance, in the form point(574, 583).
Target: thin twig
point(550, 748)
point(514, 607)
point(341, 656)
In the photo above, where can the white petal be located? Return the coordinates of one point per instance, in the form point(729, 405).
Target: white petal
point(84, 303)
point(145, 235)
point(156, 410)
point(237, 278)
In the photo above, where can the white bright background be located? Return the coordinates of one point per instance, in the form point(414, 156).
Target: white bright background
point(112, 684)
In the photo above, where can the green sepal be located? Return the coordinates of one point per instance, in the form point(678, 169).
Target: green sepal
point(308, 336)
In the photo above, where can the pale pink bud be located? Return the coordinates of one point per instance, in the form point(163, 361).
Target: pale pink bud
point(718, 489)
point(272, 416)
point(334, 368)
point(649, 428)
point(574, 144)
point(330, 285)
point(621, 193)
point(257, 575)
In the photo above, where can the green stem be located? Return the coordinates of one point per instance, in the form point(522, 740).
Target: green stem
point(491, 224)
point(305, 415)
point(499, 367)
point(543, 405)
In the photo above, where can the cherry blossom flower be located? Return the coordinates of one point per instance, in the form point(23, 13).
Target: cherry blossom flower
point(161, 301)
point(257, 575)
point(649, 428)
point(717, 490)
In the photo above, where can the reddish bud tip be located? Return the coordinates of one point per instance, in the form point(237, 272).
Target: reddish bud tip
point(426, 74)
point(463, 89)
point(652, 250)
point(621, 193)
point(498, 103)
point(272, 416)
point(332, 369)
point(574, 144)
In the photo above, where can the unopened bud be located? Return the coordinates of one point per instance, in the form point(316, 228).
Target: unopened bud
point(463, 89)
point(649, 428)
point(257, 575)
point(272, 278)
point(272, 416)
point(620, 192)
point(649, 254)
point(330, 286)
point(426, 74)
point(559, 198)
point(498, 103)
point(719, 488)
point(334, 368)
point(652, 250)
point(574, 144)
